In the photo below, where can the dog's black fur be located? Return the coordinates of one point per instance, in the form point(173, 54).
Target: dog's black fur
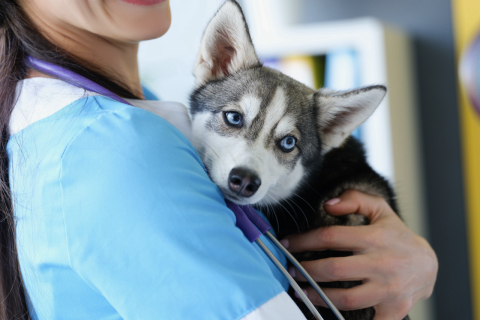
point(343, 168)
point(328, 176)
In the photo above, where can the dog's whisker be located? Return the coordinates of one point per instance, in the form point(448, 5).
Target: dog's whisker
point(313, 189)
point(286, 201)
point(301, 210)
point(293, 218)
point(308, 203)
point(206, 144)
point(276, 218)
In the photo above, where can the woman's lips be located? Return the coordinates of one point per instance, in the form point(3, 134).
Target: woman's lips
point(144, 2)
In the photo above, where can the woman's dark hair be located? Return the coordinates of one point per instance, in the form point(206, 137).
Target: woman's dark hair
point(20, 38)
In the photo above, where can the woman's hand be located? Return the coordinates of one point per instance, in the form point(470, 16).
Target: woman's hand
point(397, 267)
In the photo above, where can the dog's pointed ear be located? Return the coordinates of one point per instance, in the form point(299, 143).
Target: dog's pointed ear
point(226, 45)
point(340, 112)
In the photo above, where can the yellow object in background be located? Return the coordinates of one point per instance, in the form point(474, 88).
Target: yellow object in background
point(300, 68)
point(466, 18)
point(309, 70)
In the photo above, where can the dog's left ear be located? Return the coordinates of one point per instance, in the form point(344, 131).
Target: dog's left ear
point(226, 45)
point(340, 112)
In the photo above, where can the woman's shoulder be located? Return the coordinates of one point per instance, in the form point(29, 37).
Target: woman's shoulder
point(112, 127)
point(53, 108)
point(41, 98)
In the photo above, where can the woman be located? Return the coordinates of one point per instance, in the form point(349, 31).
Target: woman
point(115, 216)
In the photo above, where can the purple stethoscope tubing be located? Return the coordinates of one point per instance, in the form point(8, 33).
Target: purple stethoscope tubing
point(72, 78)
point(247, 219)
point(253, 226)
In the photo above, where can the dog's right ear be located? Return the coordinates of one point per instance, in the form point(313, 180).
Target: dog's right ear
point(226, 45)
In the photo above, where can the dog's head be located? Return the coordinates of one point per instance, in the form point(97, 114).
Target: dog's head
point(257, 130)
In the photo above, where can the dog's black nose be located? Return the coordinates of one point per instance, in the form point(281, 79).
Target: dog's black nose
point(244, 182)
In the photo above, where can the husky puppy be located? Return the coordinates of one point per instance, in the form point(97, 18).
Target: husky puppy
point(272, 142)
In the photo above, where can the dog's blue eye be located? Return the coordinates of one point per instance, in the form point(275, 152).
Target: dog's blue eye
point(288, 143)
point(233, 118)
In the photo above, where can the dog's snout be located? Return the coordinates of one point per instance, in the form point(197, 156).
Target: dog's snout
point(244, 182)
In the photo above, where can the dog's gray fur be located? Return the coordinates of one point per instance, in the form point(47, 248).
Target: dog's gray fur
point(272, 106)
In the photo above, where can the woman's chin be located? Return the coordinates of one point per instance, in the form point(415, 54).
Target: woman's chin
point(140, 22)
point(151, 32)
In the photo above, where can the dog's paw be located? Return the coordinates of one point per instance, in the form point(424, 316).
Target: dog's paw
point(347, 220)
point(355, 220)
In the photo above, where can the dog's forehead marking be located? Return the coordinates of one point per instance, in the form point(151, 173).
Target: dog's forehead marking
point(257, 124)
point(275, 110)
point(250, 105)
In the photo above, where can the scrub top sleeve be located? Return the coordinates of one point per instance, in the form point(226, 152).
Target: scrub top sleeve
point(147, 228)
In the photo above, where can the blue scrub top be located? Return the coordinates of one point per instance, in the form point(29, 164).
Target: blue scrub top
point(117, 219)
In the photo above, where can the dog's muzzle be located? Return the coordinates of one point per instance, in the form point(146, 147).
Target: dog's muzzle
point(243, 182)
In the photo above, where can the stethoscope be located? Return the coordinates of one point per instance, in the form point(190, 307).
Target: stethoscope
point(248, 220)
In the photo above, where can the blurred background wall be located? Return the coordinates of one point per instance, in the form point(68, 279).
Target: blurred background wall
point(166, 66)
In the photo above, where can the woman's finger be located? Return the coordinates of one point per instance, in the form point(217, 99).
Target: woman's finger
point(352, 201)
point(352, 268)
point(340, 238)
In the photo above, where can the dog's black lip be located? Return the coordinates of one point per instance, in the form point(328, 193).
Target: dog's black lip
point(233, 197)
point(229, 195)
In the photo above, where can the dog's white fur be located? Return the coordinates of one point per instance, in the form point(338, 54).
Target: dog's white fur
point(222, 154)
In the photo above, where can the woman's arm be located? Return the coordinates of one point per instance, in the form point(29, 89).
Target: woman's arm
point(397, 267)
point(148, 230)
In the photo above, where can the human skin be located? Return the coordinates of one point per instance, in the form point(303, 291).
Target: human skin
point(397, 266)
point(105, 33)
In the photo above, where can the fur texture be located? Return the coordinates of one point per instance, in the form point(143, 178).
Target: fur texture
point(272, 142)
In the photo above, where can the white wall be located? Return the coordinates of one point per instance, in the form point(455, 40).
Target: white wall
point(166, 63)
